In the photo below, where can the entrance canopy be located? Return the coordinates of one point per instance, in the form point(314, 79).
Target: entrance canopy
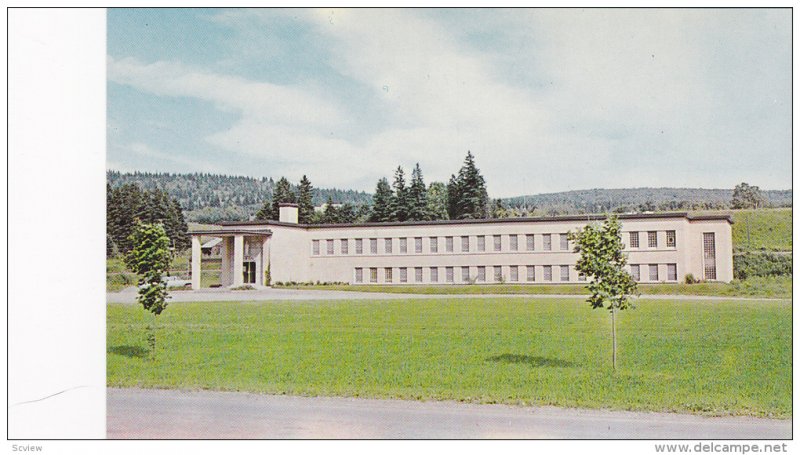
point(245, 255)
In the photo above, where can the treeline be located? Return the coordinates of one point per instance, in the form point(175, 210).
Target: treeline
point(127, 204)
point(463, 197)
point(638, 200)
point(210, 198)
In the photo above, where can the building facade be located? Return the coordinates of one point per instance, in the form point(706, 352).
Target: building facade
point(660, 248)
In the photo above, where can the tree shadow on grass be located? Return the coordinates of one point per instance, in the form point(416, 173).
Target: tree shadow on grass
point(534, 361)
point(129, 351)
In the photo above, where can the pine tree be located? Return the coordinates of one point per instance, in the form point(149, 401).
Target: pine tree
point(304, 201)
point(330, 214)
point(417, 197)
point(453, 197)
point(382, 202)
point(399, 204)
point(472, 199)
point(283, 193)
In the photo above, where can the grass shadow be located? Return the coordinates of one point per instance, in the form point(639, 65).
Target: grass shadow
point(129, 351)
point(534, 361)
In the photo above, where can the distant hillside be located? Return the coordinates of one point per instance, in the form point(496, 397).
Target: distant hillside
point(637, 200)
point(209, 198)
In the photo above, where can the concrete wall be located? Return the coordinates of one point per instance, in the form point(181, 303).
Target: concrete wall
point(292, 259)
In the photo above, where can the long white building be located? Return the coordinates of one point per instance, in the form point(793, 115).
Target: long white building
point(661, 247)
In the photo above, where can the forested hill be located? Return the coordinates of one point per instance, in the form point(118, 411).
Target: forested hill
point(210, 198)
point(638, 200)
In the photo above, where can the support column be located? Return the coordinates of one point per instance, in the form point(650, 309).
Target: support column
point(238, 260)
point(197, 255)
point(265, 261)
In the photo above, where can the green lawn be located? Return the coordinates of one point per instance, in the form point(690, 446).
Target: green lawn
point(769, 229)
point(717, 358)
point(771, 287)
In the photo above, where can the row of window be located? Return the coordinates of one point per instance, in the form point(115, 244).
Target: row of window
point(466, 243)
point(479, 273)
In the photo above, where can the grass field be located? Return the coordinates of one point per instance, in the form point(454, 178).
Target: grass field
point(769, 230)
point(771, 287)
point(715, 358)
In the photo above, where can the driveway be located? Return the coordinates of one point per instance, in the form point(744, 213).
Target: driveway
point(156, 414)
point(268, 294)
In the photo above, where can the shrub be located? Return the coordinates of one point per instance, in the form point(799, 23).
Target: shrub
point(690, 279)
point(746, 265)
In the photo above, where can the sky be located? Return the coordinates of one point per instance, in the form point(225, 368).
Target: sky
point(546, 99)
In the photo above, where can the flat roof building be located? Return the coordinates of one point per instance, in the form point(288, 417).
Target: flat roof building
point(661, 247)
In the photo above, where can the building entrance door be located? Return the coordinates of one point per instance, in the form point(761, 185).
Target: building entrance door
point(249, 271)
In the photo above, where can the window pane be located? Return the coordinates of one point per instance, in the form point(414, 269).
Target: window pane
point(530, 273)
point(672, 272)
point(387, 246)
point(373, 246)
point(373, 275)
point(548, 273)
point(497, 242)
point(418, 244)
point(387, 274)
point(465, 244)
point(418, 274)
point(330, 247)
point(481, 243)
point(448, 244)
point(449, 272)
point(564, 242)
point(403, 275)
point(653, 272)
point(498, 273)
point(546, 242)
point(465, 274)
point(670, 239)
point(359, 275)
point(635, 272)
point(434, 244)
point(514, 273)
point(315, 247)
point(709, 256)
point(634, 239)
point(404, 245)
point(359, 246)
point(529, 242)
point(652, 239)
point(345, 245)
point(513, 242)
point(434, 274)
point(481, 273)
point(564, 273)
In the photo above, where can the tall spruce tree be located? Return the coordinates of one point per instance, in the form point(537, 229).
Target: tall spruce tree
point(304, 201)
point(283, 193)
point(453, 197)
point(330, 215)
point(382, 202)
point(417, 197)
point(472, 199)
point(400, 206)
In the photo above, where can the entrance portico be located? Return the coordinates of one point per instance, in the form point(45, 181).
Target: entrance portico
point(245, 256)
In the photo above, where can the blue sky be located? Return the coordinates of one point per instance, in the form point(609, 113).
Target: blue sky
point(547, 99)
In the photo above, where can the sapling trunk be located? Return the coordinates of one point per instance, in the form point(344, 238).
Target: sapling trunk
point(613, 338)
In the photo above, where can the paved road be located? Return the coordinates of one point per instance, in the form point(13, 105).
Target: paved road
point(219, 295)
point(156, 414)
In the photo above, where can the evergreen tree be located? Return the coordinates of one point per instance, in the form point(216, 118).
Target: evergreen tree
point(417, 197)
point(330, 215)
point(265, 212)
point(472, 198)
point(437, 201)
point(283, 193)
point(453, 197)
point(346, 213)
point(399, 204)
point(304, 201)
point(382, 202)
point(499, 210)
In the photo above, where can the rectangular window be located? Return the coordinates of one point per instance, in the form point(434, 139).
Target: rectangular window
point(652, 239)
point(345, 245)
point(404, 245)
point(653, 272)
point(513, 242)
point(529, 242)
point(564, 242)
point(465, 243)
point(564, 273)
point(635, 272)
point(530, 273)
point(387, 246)
point(434, 244)
point(634, 236)
point(546, 239)
point(547, 272)
point(359, 246)
point(481, 243)
point(387, 275)
point(373, 246)
point(498, 242)
point(330, 247)
point(418, 274)
point(434, 274)
point(448, 244)
point(359, 275)
point(513, 273)
point(481, 273)
point(670, 239)
point(418, 245)
point(403, 275)
point(373, 275)
point(315, 247)
point(672, 272)
point(465, 274)
point(498, 273)
point(709, 256)
point(449, 274)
